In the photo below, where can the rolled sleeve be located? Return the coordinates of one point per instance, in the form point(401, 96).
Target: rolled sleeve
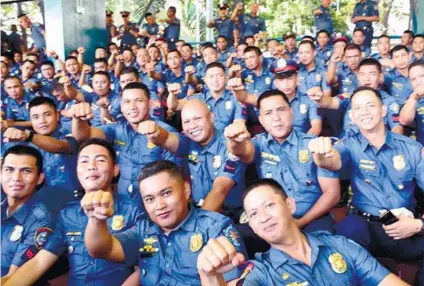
point(130, 243)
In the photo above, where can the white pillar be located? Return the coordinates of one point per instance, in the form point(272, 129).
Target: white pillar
point(209, 17)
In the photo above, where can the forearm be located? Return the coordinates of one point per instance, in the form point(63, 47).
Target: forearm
point(134, 33)
point(370, 18)
point(51, 144)
point(80, 59)
point(118, 67)
point(243, 150)
point(333, 164)
point(216, 197)
point(26, 124)
point(407, 114)
point(246, 98)
point(61, 64)
point(316, 128)
point(134, 279)
point(216, 280)
point(105, 116)
point(328, 102)
point(80, 130)
point(81, 80)
point(98, 240)
point(167, 140)
point(332, 72)
point(397, 129)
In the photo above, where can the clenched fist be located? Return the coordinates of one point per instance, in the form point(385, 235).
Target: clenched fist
point(103, 102)
point(237, 132)
point(235, 84)
point(190, 70)
point(81, 50)
point(315, 93)
point(174, 88)
point(98, 204)
point(65, 81)
point(81, 111)
point(14, 135)
point(150, 129)
point(321, 146)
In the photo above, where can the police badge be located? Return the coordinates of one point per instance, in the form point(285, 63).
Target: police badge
point(196, 242)
point(303, 156)
point(117, 222)
point(399, 162)
point(338, 264)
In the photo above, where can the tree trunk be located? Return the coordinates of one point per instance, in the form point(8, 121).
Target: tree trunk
point(24, 33)
point(43, 14)
point(387, 6)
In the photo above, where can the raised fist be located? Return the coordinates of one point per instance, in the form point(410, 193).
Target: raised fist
point(81, 50)
point(65, 81)
point(81, 111)
point(149, 128)
point(321, 146)
point(174, 88)
point(237, 132)
point(14, 135)
point(98, 204)
point(103, 102)
point(235, 84)
point(190, 70)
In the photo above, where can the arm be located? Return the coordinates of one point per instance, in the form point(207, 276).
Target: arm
point(211, 24)
point(392, 279)
point(150, 67)
point(407, 114)
point(323, 99)
point(31, 271)
point(316, 127)
point(237, 88)
point(81, 131)
point(81, 51)
point(368, 18)
point(238, 142)
point(113, 31)
point(172, 101)
point(26, 124)
point(119, 65)
point(134, 279)
point(216, 197)
point(324, 154)
point(159, 136)
point(332, 70)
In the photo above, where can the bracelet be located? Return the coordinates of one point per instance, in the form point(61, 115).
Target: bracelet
point(30, 135)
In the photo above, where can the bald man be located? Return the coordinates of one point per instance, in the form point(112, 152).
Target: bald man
point(216, 175)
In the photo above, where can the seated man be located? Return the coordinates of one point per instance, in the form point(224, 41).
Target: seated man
point(166, 244)
point(282, 153)
point(384, 170)
point(96, 169)
point(295, 258)
point(25, 223)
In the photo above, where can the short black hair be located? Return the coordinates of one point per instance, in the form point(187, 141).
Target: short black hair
point(308, 38)
point(129, 70)
point(221, 37)
point(418, 36)
point(383, 36)
point(173, 9)
point(40, 101)
point(103, 73)
point(175, 51)
point(307, 42)
point(100, 142)
point(270, 93)
point(71, 58)
point(253, 49)
point(398, 48)
point(102, 48)
point(367, 88)
point(47, 63)
point(371, 62)
point(209, 47)
point(137, 85)
point(34, 55)
point(3, 62)
point(111, 44)
point(323, 31)
point(409, 32)
point(180, 40)
point(187, 45)
point(27, 151)
point(214, 65)
point(273, 184)
point(128, 50)
point(352, 46)
point(29, 61)
point(101, 60)
point(358, 30)
point(21, 15)
point(72, 52)
point(160, 166)
point(147, 15)
point(9, 77)
point(416, 64)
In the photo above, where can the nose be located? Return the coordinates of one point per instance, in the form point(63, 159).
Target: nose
point(160, 203)
point(263, 216)
point(17, 175)
point(92, 165)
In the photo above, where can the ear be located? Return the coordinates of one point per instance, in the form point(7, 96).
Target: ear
point(381, 78)
point(115, 170)
point(187, 190)
point(349, 113)
point(58, 116)
point(383, 110)
point(212, 117)
point(291, 204)
point(40, 178)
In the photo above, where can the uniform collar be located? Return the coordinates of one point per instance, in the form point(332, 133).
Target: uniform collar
point(188, 224)
point(20, 214)
point(365, 143)
point(223, 96)
point(292, 139)
point(212, 147)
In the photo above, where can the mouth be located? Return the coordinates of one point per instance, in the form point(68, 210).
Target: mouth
point(133, 113)
point(92, 177)
point(43, 127)
point(17, 187)
point(269, 228)
point(195, 133)
point(163, 215)
point(366, 120)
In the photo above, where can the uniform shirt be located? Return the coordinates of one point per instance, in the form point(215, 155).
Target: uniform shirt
point(172, 31)
point(324, 20)
point(367, 8)
point(291, 165)
point(134, 152)
point(37, 36)
point(419, 119)
point(151, 29)
point(304, 112)
point(208, 163)
point(23, 233)
point(383, 179)
point(92, 98)
point(109, 32)
point(324, 54)
point(66, 122)
point(251, 25)
point(378, 57)
point(171, 259)
point(347, 79)
point(225, 109)
point(335, 261)
point(390, 120)
point(223, 55)
point(292, 55)
point(313, 78)
point(365, 52)
point(415, 59)
point(224, 27)
point(168, 77)
point(128, 39)
point(399, 86)
point(68, 236)
point(18, 111)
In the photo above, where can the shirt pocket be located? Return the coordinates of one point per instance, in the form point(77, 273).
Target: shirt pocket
point(188, 262)
point(150, 272)
point(55, 169)
point(77, 253)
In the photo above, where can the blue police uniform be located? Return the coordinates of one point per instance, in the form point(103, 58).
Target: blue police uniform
point(419, 119)
point(65, 122)
point(366, 8)
point(347, 79)
point(324, 21)
point(390, 120)
point(128, 39)
point(92, 98)
point(151, 29)
point(226, 109)
point(18, 111)
point(171, 259)
point(398, 85)
point(313, 78)
point(251, 25)
point(415, 59)
point(23, 233)
point(292, 55)
point(208, 163)
point(365, 52)
point(223, 55)
point(304, 112)
point(225, 27)
point(172, 33)
point(68, 236)
point(378, 57)
point(168, 76)
point(38, 37)
point(335, 261)
point(134, 152)
point(292, 166)
point(324, 54)
point(109, 32)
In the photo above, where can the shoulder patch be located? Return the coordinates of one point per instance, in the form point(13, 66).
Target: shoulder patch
point(41, 236)
point(231, 233)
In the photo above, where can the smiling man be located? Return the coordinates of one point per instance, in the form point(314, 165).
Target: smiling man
point(166, 244)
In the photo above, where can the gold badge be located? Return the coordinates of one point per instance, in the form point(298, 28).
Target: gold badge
point(117, 222)
point(318, 77)
point(16, 233)
point(303, 156)
point(268, 80)
point(150, 145)
point(399, 162)
point(303, 108)
point(285, 276)
point(228, 105)
point(216, 162)
point(338, 264)
point(196, 242)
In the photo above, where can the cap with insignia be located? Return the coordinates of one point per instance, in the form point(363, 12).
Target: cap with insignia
point(285, 68)
point(109, 13)
point(340, 38)
point(289, 35)
point(125, 13)
point(223, 6)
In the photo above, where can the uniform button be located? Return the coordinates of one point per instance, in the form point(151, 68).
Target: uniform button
point(91, 262)
point(169, 244)
point(167, 265)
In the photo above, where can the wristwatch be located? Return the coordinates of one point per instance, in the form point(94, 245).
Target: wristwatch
point(30, 135)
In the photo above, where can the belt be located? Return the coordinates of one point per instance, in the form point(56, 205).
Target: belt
point(368, 216)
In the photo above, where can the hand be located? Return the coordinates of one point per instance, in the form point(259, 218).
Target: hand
point(335, 58)
point(239, 6)
point(315, 93)
point(31, 85)
point(355, 19)
point(321, 146)
point(235, 69)
point(86, 69)
point(81, 50)
point(65, 81)
point(190, 70)
point(149, 128)
point(143, 32)
point(257, 37)
point(387, 63)
point(5, 124)
point(103, 102)
point(404, 228)
point(318, 12)
point(174, 88)
point(120, 58)
point(115, 53)
point(235, 84)
point(237, 132)
point(150, 66)
point(233, 55)
point(81, 111)
point(418, 92)
point(14, 135)
point(98, 205)
point(52, 54)
point(218, 256)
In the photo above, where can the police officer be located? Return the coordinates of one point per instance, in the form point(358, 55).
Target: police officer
point(397, 80)
point(251, 24)
point(224, 106)
point(290, 43)
point(385, 168)
point(323, 259)
point(96, 169)
point(383, 53)
point(364, 14)
point(224, 25)
point(150, 28)
point(25, 223)
point(167, 243)
point(324, 50)
point(58, 150)
point(281, 153)
point(110, 27)
point(134, 149)
point(37, 33)
point(358, 38)
point(322, 16)
point(128, 32)
point(417, 48)
point(172, 31)
point(414, 106)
